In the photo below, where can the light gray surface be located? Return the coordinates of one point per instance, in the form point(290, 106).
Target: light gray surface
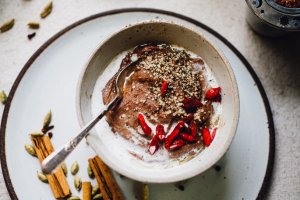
point(276, 61)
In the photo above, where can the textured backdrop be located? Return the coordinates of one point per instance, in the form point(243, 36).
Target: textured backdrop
point(276, 62)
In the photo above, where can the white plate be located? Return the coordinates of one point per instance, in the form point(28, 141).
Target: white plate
point(48, 81)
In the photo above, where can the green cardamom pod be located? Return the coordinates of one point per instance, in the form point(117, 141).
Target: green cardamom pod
point(64, 168)
point(77, 183)
point(37, 134)
point(7, 25)
point(145, 192)
point(47, 119)
point(90, 172)
point(33, 25)
point(30, 149)
point(42, 177)
point(95, 190)
point(97, 197)
point(74, 198)
point(74, 168)
point(3, 97)
point(47, 10)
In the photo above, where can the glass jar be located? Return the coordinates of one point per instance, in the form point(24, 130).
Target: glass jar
point(272, 19)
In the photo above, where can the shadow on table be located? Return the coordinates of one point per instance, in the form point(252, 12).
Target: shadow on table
point(283, 70)
point(287, 52)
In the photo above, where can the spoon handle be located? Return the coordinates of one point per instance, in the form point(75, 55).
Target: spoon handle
point(58, 156)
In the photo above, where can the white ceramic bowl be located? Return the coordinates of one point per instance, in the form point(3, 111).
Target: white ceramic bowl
point(88, 95)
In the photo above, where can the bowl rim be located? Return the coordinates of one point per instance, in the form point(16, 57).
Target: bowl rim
point(179, 176)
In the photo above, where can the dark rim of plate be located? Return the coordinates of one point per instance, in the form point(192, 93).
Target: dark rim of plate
point(264, 188)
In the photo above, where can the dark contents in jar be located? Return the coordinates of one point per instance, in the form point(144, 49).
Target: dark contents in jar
point(288, 3)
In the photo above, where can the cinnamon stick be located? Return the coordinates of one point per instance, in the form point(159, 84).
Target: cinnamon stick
point(107, 183)
point(87, 191)
point(57, 180)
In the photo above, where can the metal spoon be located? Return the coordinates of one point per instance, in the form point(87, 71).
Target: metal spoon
point(58, 156)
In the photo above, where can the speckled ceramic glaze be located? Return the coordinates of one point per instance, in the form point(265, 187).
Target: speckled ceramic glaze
point(171, 33)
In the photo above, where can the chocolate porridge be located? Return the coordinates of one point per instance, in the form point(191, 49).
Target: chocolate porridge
point(168, 102)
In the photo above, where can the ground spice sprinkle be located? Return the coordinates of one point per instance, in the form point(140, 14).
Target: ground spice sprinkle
point(166, 63)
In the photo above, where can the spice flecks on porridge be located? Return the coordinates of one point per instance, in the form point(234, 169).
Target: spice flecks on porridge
point(167, 101)
point(173, 68)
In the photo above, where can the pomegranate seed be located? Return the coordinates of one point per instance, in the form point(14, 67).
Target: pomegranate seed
point(213, 133)
point(189, 118)
point(191, 104)
point(212, 93)
point(153, 145)
point(160, 132)
point(206, 136)
point(147, 130)
point(177, 144)
point(164, 88)
point(194, 128)
point(170, 138)
point(187, 137)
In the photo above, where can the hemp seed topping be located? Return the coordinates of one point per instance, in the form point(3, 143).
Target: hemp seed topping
point(175, 66)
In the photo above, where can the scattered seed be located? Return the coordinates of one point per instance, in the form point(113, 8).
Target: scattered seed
point(31, 35)
point(74, 198)
point(77, 183)
point(122, 176)
point(218, 168)
point(33, 25)
point(37, 134)
point(47, 119)
point(47, 10)
point(48, 128)
point(181, 187)
point(95, 190)
point(7, 25)
point(3, 97)
point(42, 177)
point(74, 168)
point(145, 192)
point(64, 168)
point(50, 134)
point(97, 196)
point(90, 172)
point(29, 148)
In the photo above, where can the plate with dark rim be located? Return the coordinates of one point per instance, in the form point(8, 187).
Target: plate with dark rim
point(49, 79)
